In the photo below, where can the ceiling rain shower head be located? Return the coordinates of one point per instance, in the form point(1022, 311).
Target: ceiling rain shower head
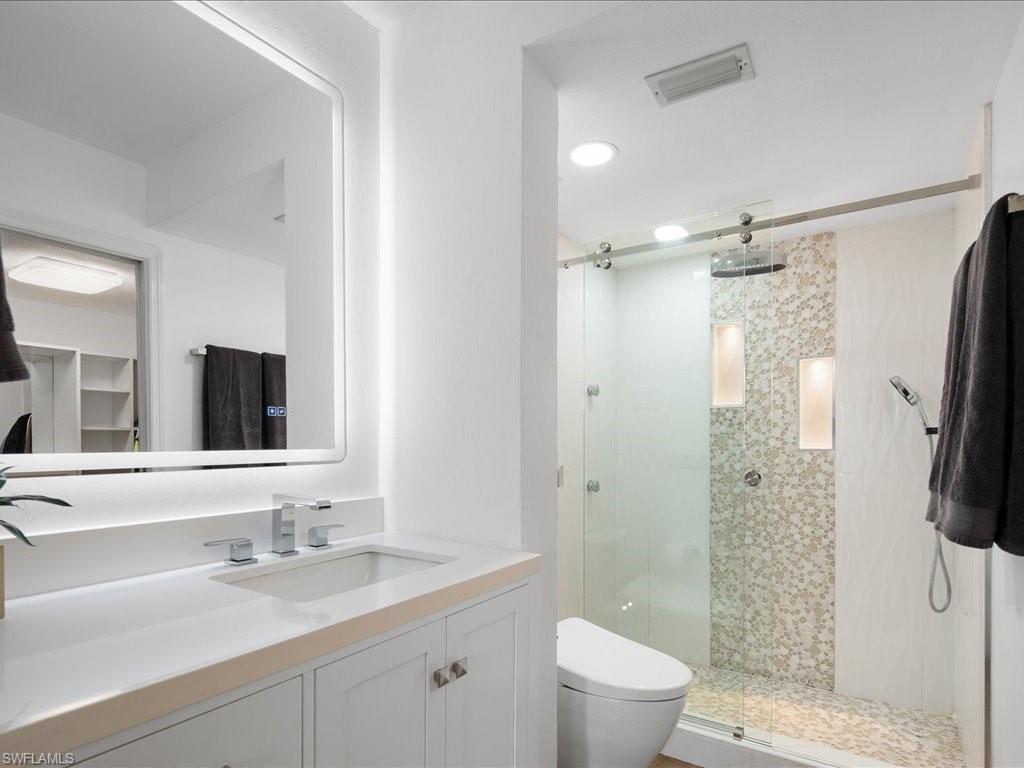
point(904, 389)
point(752, 261)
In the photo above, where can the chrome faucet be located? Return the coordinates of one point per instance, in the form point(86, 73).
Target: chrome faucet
point(283, 521)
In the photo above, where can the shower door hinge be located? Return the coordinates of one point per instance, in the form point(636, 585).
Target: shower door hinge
point(560, 475)
point(737, 732)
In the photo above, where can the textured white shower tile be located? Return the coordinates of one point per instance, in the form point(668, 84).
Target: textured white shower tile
point(893, 287)
point(878, 588)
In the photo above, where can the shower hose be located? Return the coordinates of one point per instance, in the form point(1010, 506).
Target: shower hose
point(938, 558)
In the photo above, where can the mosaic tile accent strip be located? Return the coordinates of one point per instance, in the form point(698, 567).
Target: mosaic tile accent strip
point(774, 616)
point(908, 738)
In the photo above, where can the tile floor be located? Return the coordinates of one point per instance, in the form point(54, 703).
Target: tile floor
point(902, 737)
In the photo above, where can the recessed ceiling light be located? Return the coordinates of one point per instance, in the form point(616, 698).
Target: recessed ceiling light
point(65, 276)
point(591, 153)
point(670, 232)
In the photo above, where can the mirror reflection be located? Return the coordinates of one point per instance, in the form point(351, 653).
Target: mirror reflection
point(166, 234)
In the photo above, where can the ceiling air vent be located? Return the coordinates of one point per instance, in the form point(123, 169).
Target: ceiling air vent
point(699, 75)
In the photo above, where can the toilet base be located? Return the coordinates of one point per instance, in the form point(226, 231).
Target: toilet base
point(595, 732)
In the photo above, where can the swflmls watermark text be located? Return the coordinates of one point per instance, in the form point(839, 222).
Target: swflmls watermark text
point(37, 758)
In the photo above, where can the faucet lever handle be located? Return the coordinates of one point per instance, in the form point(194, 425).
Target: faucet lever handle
point(318, 535)
point(239, 550)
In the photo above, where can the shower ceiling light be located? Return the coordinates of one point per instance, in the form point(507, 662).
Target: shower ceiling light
point(65, 276)
point(591, 153)
point(670, 232)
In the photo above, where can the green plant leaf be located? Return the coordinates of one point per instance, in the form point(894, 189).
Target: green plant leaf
point(3, 476)
point(8, 501)
point(16, 531)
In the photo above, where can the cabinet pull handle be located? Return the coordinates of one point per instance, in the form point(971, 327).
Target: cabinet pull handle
point(441, 677)
point(460, 668)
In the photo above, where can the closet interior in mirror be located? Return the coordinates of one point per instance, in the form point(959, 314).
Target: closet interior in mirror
point(167, 236)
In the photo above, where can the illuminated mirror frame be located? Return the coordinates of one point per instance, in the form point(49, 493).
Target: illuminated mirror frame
point(149, 305)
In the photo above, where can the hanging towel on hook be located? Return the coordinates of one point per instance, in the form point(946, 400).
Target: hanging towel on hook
point(977, 477)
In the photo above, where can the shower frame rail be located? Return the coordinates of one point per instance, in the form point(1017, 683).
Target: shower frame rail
point(921, 193)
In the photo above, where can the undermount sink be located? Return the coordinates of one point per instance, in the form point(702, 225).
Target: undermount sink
point(314, 577)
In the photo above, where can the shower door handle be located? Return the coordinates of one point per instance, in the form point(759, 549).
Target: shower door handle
point(752, 478)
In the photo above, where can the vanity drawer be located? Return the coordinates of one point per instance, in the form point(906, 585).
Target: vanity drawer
point(263, 730)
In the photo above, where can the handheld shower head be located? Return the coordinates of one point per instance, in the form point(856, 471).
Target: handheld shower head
point(904, 389)
point(938, 559)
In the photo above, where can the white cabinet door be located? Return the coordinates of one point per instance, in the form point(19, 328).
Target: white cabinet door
point(263, 730)
point(486, 707)
point(379, 707)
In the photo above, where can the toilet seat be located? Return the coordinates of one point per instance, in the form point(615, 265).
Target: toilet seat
point(595, 661)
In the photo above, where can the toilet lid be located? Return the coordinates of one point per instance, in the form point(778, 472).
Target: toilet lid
point(596, 661)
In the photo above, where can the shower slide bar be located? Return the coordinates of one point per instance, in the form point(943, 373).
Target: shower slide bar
point(921, 193)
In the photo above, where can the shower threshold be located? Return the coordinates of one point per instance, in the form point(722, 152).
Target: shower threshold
point(821, 727)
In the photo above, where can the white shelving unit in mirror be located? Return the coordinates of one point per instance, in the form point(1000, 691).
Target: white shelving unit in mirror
point(107, 403)
point(79, 401)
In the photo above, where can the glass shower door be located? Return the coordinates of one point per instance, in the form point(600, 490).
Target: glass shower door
point(675, 550)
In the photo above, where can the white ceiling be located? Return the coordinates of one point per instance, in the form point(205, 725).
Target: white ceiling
point(383, 13)
point(135, 79)
point(850, 100)
point(240, 218)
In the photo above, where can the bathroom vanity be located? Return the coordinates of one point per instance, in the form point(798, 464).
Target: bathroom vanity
point(382, 650)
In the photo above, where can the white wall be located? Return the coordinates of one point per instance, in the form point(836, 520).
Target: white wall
point(538, 446)
point(342, 47)
point(571, 403)
point(470, 222)
point(894, 282)
point(1007, 597)
point(90, 330)
point(208, 295)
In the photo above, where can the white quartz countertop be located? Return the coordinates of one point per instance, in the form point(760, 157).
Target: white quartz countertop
point(80, 664)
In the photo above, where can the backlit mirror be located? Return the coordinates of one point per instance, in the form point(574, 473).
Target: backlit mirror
point(169, 236)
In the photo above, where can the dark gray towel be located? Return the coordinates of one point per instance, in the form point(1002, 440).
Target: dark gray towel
point(12, 367)
point(19, 439)
point(275, 402)
point(977, 478)
point(232, 400)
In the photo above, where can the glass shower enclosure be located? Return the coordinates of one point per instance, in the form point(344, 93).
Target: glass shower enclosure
point(675, 409)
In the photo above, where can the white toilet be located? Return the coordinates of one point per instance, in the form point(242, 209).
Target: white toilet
point(618, 700)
